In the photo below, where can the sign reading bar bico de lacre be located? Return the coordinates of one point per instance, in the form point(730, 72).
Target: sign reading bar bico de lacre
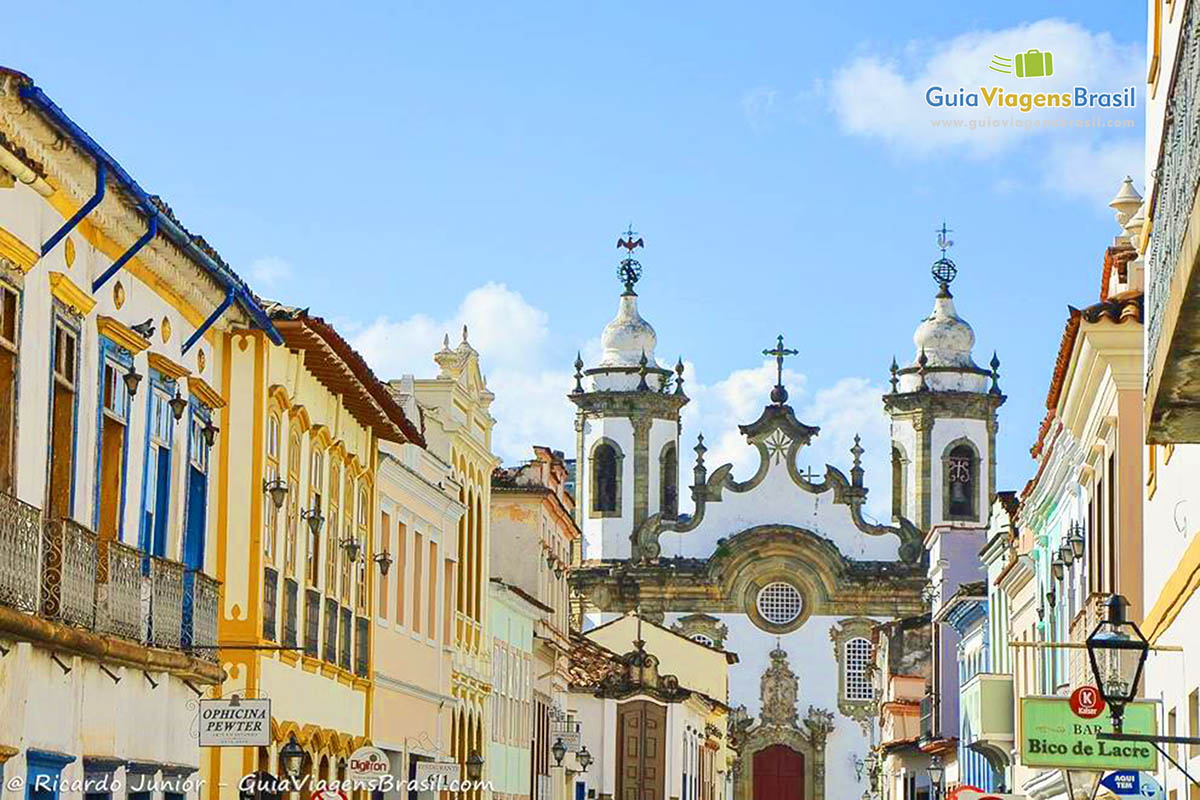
point(1052, 735)
point(235, 723)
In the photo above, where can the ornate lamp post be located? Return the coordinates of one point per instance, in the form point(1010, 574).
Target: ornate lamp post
point(1117, 650)
point(937, 776)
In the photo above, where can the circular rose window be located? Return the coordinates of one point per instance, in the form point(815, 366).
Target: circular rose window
point(779, 603)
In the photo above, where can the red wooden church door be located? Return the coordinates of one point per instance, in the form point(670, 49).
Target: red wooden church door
point(778, 774)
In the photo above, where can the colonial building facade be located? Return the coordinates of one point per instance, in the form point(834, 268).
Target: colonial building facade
point(783, 565)
point(115, 336)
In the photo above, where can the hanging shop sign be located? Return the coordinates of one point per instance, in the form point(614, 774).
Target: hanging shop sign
point(367, 767)
point(1053, 735)
point(431, 771)
point(235, 722)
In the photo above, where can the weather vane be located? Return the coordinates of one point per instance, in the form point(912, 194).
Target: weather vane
point(943, 269)
point(630, 269)
point(779, 394)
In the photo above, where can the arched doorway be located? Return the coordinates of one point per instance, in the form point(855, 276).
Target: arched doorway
point(778, 774)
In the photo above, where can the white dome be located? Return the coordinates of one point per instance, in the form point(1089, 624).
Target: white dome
point(627, 337)
point(944, 336)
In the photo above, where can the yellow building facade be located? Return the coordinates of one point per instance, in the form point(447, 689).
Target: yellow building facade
point(458, 430)
point(296, 517)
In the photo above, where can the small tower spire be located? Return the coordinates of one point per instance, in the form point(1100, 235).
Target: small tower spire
point(700, 472)
point(578, 373)
point(642, 386)
point(895, 376)
point(922, 366)
point(944, 271)
point(995, 365)
point(856, 472)
point(679, 376)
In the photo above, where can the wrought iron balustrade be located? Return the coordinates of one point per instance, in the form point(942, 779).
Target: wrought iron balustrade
point(164, 601)
point(118, 590)
point(20, 534)
point(69, 561)
point(1177, 175)
point(201, 607)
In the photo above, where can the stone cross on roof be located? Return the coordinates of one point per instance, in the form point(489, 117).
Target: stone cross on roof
point(779, 394)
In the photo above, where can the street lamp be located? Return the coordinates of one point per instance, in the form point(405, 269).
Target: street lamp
point(277, 489)
point(584, 758)
point(474, 766)
point(937, 776)
point(384, 560)
point(1058, 567)
point(314, 518)
point(291, 756)
point(1076, 539)
point(1117, 650)
point(178, 406)
point(132, 379)
point(1066, 554)
point(559, 750)
point(352, 548)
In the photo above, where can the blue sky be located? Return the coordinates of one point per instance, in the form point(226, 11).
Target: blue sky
point(404, 167)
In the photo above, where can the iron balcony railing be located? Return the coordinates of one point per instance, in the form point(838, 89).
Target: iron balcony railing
point(1177, 175)
point(61, 570)
point(20, 529)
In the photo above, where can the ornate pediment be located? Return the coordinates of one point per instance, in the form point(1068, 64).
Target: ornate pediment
point(779, 688)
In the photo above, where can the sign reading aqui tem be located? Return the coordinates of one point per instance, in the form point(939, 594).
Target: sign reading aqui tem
point(235, 722)
point(1052, 735)
point(1130, 783)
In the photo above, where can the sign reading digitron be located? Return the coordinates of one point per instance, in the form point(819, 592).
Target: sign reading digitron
point(235, 723)
point(1052, 735)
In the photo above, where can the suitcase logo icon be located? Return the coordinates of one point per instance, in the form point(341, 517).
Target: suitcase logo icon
point(1032, 63)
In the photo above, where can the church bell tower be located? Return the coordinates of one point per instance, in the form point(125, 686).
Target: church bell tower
point(626, 427)
point(943, 418)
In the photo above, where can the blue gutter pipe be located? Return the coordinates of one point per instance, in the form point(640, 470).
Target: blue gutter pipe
point(241, 294)
point(208, 323)
point(151, 230)
point(86, 209)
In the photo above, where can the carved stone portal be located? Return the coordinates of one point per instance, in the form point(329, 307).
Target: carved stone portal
point(779, 690)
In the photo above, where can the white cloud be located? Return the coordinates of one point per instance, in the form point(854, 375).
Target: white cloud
point(1093, 170)
point(270, 272)
point(514, 343)
point(883, 97)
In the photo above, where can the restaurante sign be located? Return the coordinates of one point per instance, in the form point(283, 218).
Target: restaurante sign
point(1052, 735)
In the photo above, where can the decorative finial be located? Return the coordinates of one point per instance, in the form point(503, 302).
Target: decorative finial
point(995, 365)
point(679, 376)
point(642, 384)
point(922, 364)
point(700, 472)
point(578, 372)
point(630, 269)
point(895, 375)
point(446, 341)
point(779, 394)
point(464, 334)
point(856, 472)
point(943, 269)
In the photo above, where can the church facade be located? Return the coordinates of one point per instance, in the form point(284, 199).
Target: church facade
point(781, 567)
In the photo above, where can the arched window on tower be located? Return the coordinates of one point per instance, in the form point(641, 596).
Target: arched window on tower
point(897, 483)
point(961, 476)
point(669, 482)
point(606, 479)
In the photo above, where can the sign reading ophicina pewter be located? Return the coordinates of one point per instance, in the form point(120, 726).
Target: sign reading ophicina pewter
point(1052, 735)
point(235, 722)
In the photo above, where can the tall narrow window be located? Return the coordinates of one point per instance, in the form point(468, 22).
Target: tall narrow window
point(363, 537)
point(8, 386)
point(856, 661)
point(114, 420)
point(62, 421)
point(897, 483)
point(431, 629)
point(333, 524)
point(605, 478)
point(270, 512)
point(960, 477)
point(447, 607)
point(293, 503)
point(348, 534)
point(196, 506)
point(401, 571)
point(669, 482)
point(385, 534)
point(156, 489)
point(417, 578)
point(312, 556)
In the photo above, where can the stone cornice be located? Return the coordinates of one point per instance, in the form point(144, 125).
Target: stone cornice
point(659, 405)
point(70, 295)
point(972, 405)
point(121, 334)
